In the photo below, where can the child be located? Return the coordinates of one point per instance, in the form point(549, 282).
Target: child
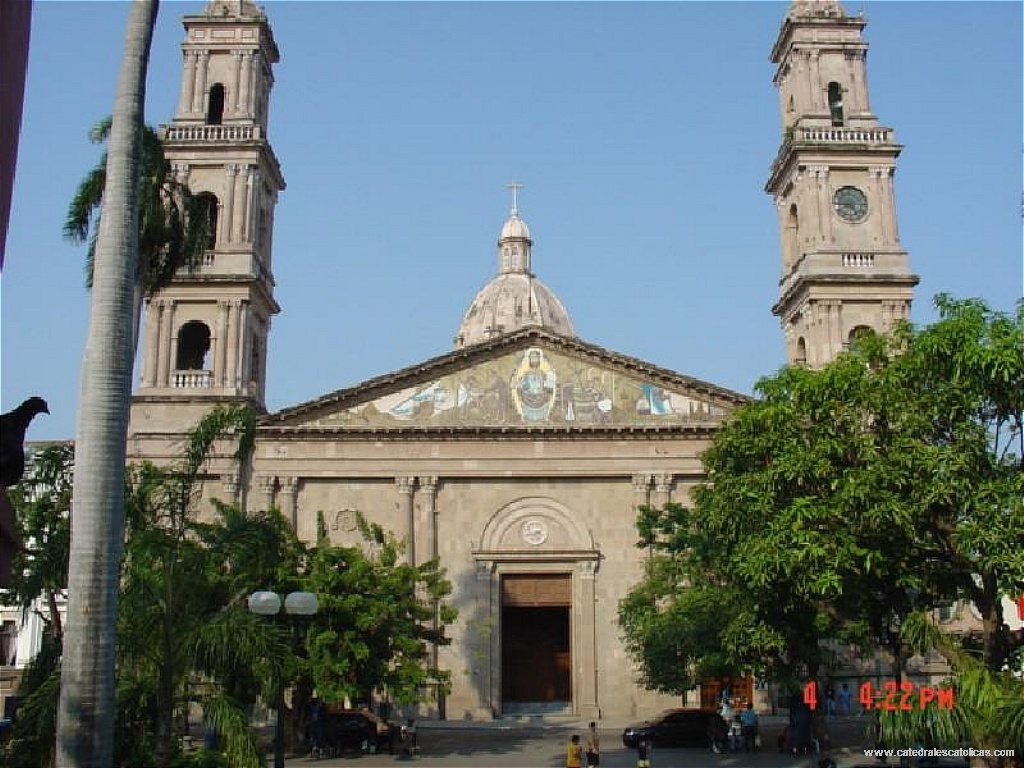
point(593, 746)
point(574, 753)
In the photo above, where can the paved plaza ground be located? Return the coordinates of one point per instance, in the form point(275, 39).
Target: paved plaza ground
point(533, 745)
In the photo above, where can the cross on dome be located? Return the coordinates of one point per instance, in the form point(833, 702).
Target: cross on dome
point(515, 186)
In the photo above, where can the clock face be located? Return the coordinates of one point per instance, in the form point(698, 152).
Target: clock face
point(850, 203)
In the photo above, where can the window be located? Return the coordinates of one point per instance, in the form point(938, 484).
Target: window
point(193, 345)
point(801, 352)
point(835, 103)
point(208, 212)
point(9, 644)
point(215, 105)
point(856, 333)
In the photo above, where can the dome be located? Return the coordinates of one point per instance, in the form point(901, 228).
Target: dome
point(515, 298)
point(509, 302)
point(515, 228)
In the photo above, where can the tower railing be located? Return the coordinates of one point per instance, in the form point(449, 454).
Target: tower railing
point(842, 135)
point(205, 133)
point(185, 379)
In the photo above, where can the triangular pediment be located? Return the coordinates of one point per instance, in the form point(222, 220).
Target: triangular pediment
point(527, 379)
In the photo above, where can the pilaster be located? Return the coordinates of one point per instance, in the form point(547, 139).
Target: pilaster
point(406, 487)
point(289, 500)
point(587, 669)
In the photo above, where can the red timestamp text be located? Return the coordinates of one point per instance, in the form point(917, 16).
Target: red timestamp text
point(893, 696)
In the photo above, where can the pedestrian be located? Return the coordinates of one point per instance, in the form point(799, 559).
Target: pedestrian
point(574, 753)
point(845, 699)
point(643, 754)
point(830, 701)
point(593, 746)
point(735, 734)
point(317, 740)
point(409, 734)
point(748, 717)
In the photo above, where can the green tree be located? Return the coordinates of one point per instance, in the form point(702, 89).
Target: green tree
point(378, 621)
point(174, 226)
point(43, 501)
point(185, 634)
point(844, 498)
point(86, 713)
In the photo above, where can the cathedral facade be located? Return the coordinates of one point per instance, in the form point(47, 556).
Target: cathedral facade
point(519, 458)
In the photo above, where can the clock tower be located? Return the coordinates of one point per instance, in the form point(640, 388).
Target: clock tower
point(205, 336)
point(843, 268)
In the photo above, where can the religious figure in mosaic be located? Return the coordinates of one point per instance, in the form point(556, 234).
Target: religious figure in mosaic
point(534, 386)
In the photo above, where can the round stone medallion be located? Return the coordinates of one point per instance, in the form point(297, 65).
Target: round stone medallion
point(535, 532)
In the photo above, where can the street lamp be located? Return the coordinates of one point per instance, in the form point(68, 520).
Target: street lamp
point(297, 606)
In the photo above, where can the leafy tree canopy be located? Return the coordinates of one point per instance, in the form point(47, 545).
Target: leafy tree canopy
point(175, 226)
point(842, 498)
point(378, 621)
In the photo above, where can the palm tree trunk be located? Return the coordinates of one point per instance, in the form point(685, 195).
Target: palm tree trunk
point(85, 724)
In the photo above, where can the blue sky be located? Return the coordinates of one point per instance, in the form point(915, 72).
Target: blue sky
point(642, 133)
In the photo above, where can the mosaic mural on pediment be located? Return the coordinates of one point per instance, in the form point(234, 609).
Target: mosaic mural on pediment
point(532, 387)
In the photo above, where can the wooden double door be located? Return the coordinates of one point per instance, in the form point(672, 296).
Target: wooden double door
point(536, 639)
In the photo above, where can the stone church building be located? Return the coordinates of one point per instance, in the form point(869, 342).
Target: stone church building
point(518, 458)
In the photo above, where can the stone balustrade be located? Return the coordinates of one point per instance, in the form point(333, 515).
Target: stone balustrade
point(858, 260)
point(202, 133)
point(843, 135)
point(192, 379)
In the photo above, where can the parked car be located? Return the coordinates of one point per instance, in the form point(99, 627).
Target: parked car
point(357, 729)
point(673, 728)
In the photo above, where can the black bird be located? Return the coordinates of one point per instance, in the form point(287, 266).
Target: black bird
point(12, 439)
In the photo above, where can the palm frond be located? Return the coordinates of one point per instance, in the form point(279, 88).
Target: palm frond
point(231, 722)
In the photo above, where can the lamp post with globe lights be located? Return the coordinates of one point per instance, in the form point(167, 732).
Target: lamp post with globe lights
point(298, 607)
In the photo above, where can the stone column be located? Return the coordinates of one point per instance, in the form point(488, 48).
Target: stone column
point(427, 533)
point(482, 653)
point(231, 353)
point(641, 491)
point(241, 368)
point(881, 187)
point(149, 361)
point(289, 501)
point(662, 490)
point(238, 202)
point(243, 95)
point(860, 86)
point(236, 78)
point(227, 226)
point(202, 64)
point(824, 202)
point(251, 177)
point(837, 337)
point(164, 361)
point(188, 82)
point(230, 483)
point(587, 670)
point(221, 345)
point(815, 95)
point(266, 486)
point(406, 486)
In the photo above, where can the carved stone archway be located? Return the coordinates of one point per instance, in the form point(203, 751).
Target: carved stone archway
point(539, 535)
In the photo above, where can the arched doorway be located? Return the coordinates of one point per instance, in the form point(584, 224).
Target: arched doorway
point(541, 564)
point(536, 647)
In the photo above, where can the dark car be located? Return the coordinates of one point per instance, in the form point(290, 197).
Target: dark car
point(673, 728)
point(356, 729)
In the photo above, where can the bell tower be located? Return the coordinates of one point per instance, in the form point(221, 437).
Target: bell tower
point(205, 336)
point(843, 268)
